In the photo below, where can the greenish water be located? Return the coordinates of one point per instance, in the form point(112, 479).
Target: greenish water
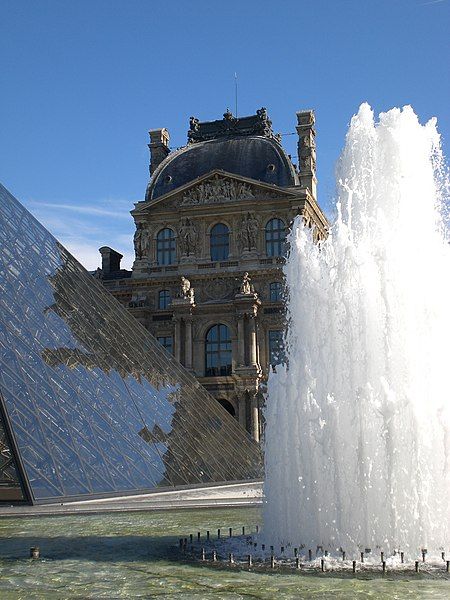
point(134, 555)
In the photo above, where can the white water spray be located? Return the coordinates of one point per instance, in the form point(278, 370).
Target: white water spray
point(357, 443)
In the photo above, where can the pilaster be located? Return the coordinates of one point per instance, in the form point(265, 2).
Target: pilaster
point(307, 150)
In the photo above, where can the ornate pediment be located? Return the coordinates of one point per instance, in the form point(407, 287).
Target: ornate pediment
point(217, 189)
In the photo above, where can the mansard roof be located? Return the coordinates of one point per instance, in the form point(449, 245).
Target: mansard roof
point(244, 146)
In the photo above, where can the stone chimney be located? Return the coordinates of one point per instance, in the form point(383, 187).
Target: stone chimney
point(110, 260)
point(159, 147)
point(307, 150)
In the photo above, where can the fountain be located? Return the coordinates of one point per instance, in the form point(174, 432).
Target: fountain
point(357, 444)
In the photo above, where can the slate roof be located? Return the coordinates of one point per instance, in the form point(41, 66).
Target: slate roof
point(244, 146)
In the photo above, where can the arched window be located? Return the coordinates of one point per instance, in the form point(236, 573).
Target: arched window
point(227, 406)
point(218, 351)
point(219, 242)
point(164, 299)
point(275, 237)
point(165, 247)
point(275, 291)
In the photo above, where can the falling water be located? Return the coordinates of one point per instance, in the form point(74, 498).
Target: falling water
point(357, 443)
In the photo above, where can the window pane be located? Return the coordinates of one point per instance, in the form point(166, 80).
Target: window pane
point(165, 247)
point(167, 342)
point(275, 290)
point(275, 237)
point(276, 347)
point(219, 242)
point(164, 299)
point(218, 351)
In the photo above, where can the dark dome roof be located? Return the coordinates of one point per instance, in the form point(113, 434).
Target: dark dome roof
point(255, 157)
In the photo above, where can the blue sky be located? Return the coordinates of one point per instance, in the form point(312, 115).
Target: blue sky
point(82, 82)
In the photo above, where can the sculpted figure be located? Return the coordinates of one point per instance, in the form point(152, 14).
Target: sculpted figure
point(262, 113)
point(245, 192)
point(186, 291)
point(188, 236)
point(246, 286)
point(140, 240)
point(249, 232)
point(194, 124)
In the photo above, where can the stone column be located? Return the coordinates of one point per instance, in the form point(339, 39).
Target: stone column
point(241, 341)
point(254, 414)
point(178, 339)
point(253, 357)
point(242, 410)
point(188, 343)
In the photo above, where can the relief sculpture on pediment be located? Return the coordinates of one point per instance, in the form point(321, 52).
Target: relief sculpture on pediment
point(217, 190)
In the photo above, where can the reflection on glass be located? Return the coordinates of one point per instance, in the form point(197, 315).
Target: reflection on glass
point(218, 351)
point(95, 404)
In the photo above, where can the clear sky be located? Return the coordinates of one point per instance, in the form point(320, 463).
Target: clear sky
point(82, 82)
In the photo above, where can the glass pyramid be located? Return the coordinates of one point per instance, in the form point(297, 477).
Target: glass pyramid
point(90, 404)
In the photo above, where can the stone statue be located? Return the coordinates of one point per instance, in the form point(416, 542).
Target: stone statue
point(140, 240)
point(194, 124)
point(246, 286)
point(262, 114)
point(248, 234)
point(187, 236)
point(186, 291)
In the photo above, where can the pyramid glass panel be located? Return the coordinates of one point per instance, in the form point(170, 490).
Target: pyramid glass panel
point(94, 405)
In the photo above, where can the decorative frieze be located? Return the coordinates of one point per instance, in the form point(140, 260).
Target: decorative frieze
point(218, 189)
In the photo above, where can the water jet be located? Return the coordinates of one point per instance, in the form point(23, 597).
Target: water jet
point(357, 447)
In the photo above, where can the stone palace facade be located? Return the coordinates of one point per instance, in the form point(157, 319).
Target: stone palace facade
point(209, 246)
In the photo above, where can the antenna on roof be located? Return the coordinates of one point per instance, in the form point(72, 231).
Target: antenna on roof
point(235, 95)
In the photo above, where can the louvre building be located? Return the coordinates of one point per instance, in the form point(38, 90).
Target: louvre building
point(91, 405)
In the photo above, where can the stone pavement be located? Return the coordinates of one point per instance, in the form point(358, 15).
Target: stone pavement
point(220, 496)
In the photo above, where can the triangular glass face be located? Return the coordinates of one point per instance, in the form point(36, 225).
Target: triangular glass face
point(96, 405)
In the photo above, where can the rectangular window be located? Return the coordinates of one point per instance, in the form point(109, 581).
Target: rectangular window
point(164, 299)
point(166, 342)
point(276, 347)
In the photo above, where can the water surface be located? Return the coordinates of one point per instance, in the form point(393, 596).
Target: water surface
point(134, 555)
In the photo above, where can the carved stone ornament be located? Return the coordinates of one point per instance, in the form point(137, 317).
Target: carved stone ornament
point(217, 190)
point(186, 291)
point(218, 288)
point(258, 124)
point(248, 232)
point(187, 236)
point(140, 240)
point(246, 285)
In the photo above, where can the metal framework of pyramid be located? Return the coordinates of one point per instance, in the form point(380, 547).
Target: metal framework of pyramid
point(90, 404)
